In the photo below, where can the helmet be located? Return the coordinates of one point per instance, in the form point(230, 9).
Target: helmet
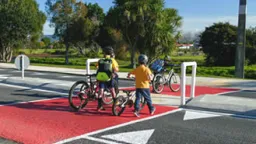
point(167, 58)
point(108, 50)
point(143, 59)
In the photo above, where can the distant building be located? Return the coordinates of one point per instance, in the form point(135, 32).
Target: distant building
point(184, 46)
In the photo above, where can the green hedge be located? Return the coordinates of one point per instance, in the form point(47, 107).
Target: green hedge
point(59, 61)
point(199, 60)
point(250, 71)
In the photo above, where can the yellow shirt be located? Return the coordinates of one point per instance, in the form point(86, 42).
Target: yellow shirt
point(142, 76)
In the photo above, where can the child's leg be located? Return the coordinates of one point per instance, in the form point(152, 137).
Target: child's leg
point(147, 97)
point(137, 100)
point(112, 88)
point(101, 86)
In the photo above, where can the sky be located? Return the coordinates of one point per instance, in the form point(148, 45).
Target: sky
point(196, 14)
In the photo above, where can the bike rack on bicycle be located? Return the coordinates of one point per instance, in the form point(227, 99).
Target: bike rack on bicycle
point(183, 81)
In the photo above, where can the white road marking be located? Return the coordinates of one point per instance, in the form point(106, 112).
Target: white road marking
point(100, 140)
point(221, 114)
point(37, 73)
point(67, 76)
point(63, 95)
point(190, 115)
point(134, 137)
point(116, 126)
point(35, 89)
point(4, 76)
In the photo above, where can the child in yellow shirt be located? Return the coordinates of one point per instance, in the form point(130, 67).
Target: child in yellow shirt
point(142, 78)
point(108, 54)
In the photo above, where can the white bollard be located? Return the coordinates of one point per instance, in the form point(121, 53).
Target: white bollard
point(88, 61)
point(183, 81)
point(22, 67)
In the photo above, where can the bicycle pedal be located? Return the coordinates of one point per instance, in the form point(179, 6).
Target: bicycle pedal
point(130, 103)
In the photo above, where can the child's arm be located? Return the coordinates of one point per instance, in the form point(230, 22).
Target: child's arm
point(115, 65)
point(149, 74)
point(131, 73)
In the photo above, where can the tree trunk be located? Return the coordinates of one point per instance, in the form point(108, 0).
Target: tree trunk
point(6, 54)
point(66, 56)
point(133, 62)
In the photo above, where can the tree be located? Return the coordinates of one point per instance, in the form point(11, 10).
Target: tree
point(145, 25)
point(84, 30)
point(46, 40)
point(251, 45)
point(219, 44)
point(95, 12)
point(63, 13)
point(19, 21)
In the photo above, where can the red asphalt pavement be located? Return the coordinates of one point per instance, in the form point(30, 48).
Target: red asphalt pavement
point(199, 90)
point(51, 121)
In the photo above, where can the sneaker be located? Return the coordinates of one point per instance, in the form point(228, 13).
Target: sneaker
point(100, 108)
point(136, 113)
point(153, 111)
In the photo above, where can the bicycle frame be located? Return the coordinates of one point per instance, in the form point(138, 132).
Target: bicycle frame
point(130, 95)
point(168, 76)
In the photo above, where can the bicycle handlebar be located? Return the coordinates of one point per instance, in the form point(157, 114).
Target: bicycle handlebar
point(173, 65)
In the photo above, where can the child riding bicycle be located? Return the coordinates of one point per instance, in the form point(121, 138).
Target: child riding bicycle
point(160, 64)
point(142, 78)
point(106, 73)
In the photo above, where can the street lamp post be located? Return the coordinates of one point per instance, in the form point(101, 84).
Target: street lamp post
point(240, 50)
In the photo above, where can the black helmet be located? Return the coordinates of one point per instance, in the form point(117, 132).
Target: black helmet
point(143, 59)
point(167, 58)
point(108, 50)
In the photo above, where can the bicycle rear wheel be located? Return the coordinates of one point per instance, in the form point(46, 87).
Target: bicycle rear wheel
point(78, 95)
point(174, 82)
point(107, 97)
point(158, 83)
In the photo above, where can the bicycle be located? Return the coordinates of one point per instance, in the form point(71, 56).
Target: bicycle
point(160, 80)
point(85, 91)
point(123, 101)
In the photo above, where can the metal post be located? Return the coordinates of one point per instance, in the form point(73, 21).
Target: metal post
point(193, 81)
point(88, 62)
point(183, 84)
point(22, 67)
point(240, 50)
point(88, 66)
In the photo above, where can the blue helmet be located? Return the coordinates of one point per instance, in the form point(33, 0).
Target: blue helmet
point(143, 59)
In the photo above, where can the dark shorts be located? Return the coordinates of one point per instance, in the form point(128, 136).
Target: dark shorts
point(109, 84)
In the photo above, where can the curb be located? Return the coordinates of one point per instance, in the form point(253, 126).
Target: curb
point(75, 74)
point(223, 104)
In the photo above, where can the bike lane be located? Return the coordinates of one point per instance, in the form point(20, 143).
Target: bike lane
point(199, 90)
point(50, 121)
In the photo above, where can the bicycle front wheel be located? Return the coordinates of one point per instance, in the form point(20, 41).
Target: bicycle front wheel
point(119, 105)
point(174, 82)
point(158, 83)
point(78, 95)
